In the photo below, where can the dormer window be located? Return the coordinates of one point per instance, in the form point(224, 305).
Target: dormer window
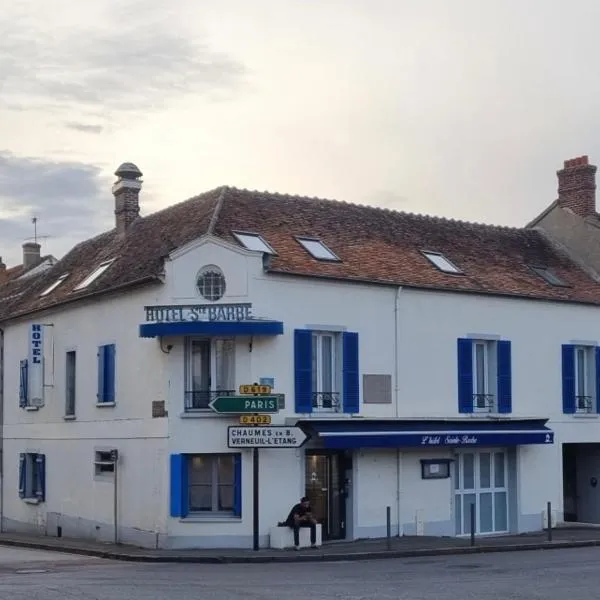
point(253, 241)
point(442, 263)
point(94, 274)
point(548, 276)
point(52, 287)
point(317, 249)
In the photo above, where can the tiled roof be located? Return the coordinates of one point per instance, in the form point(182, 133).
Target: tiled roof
point(373, 244)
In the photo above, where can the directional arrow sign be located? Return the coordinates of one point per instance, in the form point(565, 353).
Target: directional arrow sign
point(276, 436)
point(239, 405)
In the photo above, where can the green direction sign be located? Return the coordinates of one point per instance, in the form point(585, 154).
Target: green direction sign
point(237, 405)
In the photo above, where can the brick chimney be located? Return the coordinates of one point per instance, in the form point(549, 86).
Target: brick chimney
point(126, 191)
point(577, 186)
point(31, 254)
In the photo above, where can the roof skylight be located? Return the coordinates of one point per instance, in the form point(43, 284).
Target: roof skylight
point(317, 249)
point(94, 274)
point(54, 285)
point(442, 263)
point(548, 276)
point(253, 241)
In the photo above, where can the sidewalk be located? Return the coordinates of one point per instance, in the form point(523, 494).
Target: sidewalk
point(406, 546)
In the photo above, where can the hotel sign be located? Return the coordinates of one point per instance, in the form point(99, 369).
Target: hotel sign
point(36, 365)
point(181, 313)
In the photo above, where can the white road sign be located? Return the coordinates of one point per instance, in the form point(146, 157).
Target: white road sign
point(276, 436)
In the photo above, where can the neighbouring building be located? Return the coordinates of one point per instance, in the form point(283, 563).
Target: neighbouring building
point(431, 364)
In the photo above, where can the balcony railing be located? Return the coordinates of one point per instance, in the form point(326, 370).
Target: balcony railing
point(583, 404)
point(484, 403)
point(200, 399)
point(326, 401)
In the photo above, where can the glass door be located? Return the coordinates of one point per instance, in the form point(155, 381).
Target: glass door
point(325, 489)
point(480, 478)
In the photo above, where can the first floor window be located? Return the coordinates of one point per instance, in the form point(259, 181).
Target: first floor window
point(325, 386)
point(212, 483)
point(209, 371)
point(32, 476)
point(584, 365)
point(70, 370)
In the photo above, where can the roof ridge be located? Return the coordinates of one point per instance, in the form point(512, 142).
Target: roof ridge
point(424, 217)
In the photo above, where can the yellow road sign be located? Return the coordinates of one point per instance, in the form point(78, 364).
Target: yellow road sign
point(255, 419)
point(255, 389)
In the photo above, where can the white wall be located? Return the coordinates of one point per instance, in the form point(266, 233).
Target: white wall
point(73, 497)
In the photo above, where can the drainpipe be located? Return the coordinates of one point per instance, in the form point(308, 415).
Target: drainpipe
point(397, 401)
point(1, 430)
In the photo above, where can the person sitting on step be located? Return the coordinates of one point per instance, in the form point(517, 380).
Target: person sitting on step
point(301, 516)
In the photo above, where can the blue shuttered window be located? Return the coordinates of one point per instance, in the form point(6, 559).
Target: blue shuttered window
point(465, 375)
point(303, 370)
point(350, 375)
point(597, 389)
point(106, 374)
point(23, 383)
point(568, 378)
point(32, 476)
point(504, 377)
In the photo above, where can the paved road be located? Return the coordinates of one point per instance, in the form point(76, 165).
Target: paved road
point(547, 575)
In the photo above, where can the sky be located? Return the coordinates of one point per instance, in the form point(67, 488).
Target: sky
point(459, 108)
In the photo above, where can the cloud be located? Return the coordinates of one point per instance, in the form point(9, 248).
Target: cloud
point(84, 127)
point(135, 64)
point(69, 199)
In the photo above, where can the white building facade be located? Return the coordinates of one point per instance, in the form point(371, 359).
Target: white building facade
point(385, 395)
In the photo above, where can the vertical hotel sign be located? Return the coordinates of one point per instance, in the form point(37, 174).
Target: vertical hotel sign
point(36, 365)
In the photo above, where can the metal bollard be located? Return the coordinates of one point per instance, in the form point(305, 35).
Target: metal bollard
point(472, 524)
point(388, 519)
point(549, 509)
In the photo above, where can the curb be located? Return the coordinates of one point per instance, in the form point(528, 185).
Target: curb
point(290, 558)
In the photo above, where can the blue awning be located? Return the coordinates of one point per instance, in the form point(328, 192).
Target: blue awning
point(211, 328)
point(385, 433)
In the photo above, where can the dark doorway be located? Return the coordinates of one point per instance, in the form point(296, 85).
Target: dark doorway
point(326, 487)
point(581, 482)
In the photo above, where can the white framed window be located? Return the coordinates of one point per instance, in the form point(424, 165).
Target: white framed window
point(209, 371)
point(211, 481)
point(317, 249)
point(32, 476)
point(326, 371)
point(441, 262)
point(585, 377)
point(70, 382)
point(253, 241)
point(210, 283)
point(104, 464)
point(484, 376)
point(94, 274)
point(52, 287)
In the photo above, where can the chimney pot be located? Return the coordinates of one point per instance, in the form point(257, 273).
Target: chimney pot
point(126, 191)
point(31, 254)
point(577, 186)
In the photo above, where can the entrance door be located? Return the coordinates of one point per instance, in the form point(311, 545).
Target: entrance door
point(326, 490)
point(480, 478)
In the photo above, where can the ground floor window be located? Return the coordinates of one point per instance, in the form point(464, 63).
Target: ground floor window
point(32, 476)
point(480, 478)
point(206, 484)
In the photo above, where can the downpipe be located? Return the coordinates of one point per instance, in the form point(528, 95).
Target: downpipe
point(397, 400)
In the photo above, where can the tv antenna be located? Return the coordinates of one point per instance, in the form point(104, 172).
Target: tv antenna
point(37, 237)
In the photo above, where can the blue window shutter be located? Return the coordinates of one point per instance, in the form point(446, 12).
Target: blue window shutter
point(179, 487)
point(303, 370)
point(40, 484)
point(109, 373)
point(351, 378)
point(101, 379)
point(465, 375)
point(22, 475)
point(237, 485)
point(23, 383)
point(568, 378)
point(597, 350)
point(504, 377)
